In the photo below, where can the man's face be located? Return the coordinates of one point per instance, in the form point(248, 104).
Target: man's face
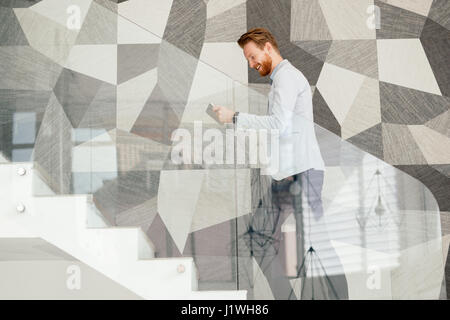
point(258, 59)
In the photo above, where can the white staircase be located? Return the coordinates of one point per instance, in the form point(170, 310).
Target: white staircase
point(73, 224)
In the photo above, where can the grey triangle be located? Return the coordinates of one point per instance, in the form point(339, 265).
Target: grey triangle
point(435, 41)
point(317, 48)
point(11, 33)
point(17, 61)
point(369, 140)
point(323, 116)
point(443, 168)
point(441, 123)
point(75, 92)
point(53, 148)
point(398, 23)
point(399, 146)
point(135, 59)
point(307, 21)
point(356, 55)
point(108, 4)
point(440, 13)
point(141, 215)
point(127, 191)
point(99, 26)
point(186, 26)
point(18, 3)
point(227, 26)
point(157, 119)
point(101, 113)
point(403, 105)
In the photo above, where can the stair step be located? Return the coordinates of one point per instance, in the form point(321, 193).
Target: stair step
point(72, 223)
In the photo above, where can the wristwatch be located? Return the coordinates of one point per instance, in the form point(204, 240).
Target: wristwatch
point(235, 117)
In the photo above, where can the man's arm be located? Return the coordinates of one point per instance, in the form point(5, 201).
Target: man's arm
point(284, 97)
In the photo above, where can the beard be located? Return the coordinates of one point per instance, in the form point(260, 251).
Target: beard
point(266, 66)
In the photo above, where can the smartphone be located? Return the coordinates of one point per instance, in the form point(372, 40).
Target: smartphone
point(211, 113)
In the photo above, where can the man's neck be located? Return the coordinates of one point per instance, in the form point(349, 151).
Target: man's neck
point(275, 61)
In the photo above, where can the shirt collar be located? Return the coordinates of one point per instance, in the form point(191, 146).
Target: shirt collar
point(272, 75)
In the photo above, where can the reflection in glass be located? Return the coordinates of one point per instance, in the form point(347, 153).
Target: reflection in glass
point(374, 218)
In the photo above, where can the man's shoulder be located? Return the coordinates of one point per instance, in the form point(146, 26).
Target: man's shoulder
point(291, 71)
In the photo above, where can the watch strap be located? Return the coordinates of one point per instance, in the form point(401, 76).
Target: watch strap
point(235, 117)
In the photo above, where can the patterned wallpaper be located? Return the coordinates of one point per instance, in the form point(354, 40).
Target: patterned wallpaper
point(121, 74)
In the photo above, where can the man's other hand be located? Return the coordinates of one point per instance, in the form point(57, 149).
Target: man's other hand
point(224, 114)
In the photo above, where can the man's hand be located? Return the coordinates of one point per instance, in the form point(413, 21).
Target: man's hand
point(224, 114)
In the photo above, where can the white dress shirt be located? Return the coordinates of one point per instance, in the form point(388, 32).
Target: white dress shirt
point(291, 113)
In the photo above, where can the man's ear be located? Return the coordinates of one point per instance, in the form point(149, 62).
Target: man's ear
point(268, 47)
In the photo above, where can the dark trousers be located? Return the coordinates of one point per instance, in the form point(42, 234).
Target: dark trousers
point(320, 274)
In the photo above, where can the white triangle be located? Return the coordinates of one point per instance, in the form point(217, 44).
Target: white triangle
point(445, 247)
point(45, 35)
point(234, 66)
point(131, 98)
point(261, 287)
point(365, 110)
point(177, 199)
point(219, 190)
point(296, 285)
point(339, 87)
point(63, 11)
point(434, 153)
point(152, 15)
point(404, 62)
point(216, 7)
point(418, 6)
point(129, 33)
point(97, 61)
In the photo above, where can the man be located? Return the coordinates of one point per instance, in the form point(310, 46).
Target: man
point(301, 167)
point(290, 106)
